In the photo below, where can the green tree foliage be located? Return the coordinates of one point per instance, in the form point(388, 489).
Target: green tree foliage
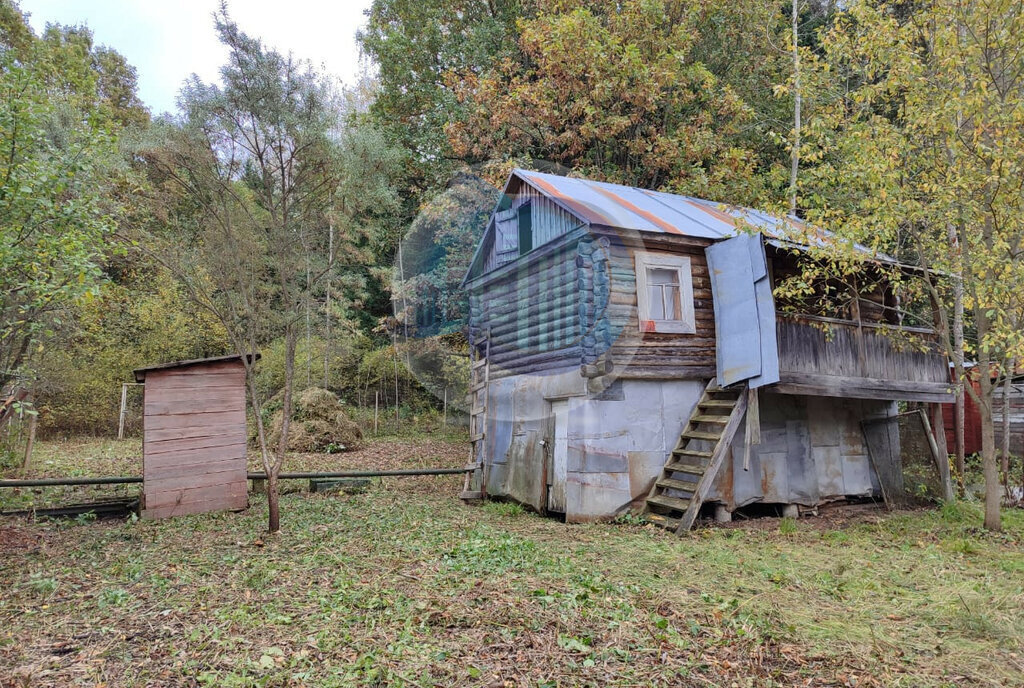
point(436, 253)
point(142, 319)
point(57, 179)
point(920, 155)
point(366, 203)
point(656, 94)
point(416, 44)
point(258, 163)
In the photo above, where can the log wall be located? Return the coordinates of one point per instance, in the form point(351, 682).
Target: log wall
point(636, 354)
point(530, 312)
point(194, 440)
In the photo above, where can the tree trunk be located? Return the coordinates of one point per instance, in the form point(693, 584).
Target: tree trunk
point(958, 371)
point(286, 410)
point(1005, 449)
point(33, 419)
point(990, 468)
point(309, 328)
point(261, 437)
point(327, 307)
point(273, 503)
point(794, 157)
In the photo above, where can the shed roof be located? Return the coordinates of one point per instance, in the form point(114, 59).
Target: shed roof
point(140, 373)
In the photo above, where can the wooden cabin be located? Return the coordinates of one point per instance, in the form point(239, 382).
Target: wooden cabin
point(194, 437)
point(619, 336)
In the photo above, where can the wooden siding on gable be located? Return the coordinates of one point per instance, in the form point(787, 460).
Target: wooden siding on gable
point(548, 221)
point(194, 444)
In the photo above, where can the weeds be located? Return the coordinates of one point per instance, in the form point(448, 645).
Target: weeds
point(507, 509)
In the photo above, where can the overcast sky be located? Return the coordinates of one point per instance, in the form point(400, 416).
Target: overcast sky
point(166, 41)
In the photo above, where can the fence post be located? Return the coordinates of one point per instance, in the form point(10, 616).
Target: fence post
point(124, 411)
point(446, 408)
point(32, 420)
point(376, 409)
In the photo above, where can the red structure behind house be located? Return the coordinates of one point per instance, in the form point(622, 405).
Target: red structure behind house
point(972, 416)
point(972, 419)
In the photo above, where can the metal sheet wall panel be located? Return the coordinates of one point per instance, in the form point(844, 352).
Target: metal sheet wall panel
point(766, 317)
point(747, 348)
point(736, 320)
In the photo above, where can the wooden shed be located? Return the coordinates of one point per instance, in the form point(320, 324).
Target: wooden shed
point(194, 437)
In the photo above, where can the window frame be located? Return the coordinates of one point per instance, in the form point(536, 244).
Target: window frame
point(645, 261)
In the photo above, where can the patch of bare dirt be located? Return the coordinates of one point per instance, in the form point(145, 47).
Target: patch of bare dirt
point(16, 540)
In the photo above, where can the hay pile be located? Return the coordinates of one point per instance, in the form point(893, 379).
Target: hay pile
point(319, 423)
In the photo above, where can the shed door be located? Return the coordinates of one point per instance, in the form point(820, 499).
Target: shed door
point(746, 348)
point(559, 456)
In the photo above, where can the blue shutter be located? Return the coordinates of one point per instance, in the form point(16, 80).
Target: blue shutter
point(746, 348)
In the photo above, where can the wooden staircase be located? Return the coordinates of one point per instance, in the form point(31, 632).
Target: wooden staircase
point(479, 383)
point(677, 494)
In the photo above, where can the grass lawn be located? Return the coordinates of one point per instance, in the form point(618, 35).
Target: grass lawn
point(403, 585)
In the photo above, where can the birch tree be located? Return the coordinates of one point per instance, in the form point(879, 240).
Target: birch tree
point(922, 155)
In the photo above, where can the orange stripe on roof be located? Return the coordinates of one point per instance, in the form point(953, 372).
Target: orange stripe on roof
point(650, 217)
point(583, 210)
point(714, 212)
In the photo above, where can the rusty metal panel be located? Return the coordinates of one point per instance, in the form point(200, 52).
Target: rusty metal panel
point(569, 202)
point(615, 205)
point(643, 210)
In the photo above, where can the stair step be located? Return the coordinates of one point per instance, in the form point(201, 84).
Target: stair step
point(662, 520)
point(692, 452)
point(711, 419)
point(688, 472)
point(716, 403)
point(698, 435)
point(673, 484)
point(684, 468)
point(470, 495)
point(669, 502)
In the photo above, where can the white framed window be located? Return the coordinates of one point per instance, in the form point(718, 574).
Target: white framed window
point(664, 290)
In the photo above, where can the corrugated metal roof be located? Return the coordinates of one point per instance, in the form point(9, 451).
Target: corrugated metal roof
point(642, 210)
point(625, 207)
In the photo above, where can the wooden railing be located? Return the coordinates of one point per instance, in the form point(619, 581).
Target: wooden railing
point(815, 345)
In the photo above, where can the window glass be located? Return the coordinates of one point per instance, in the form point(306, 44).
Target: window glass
point(663, 294)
